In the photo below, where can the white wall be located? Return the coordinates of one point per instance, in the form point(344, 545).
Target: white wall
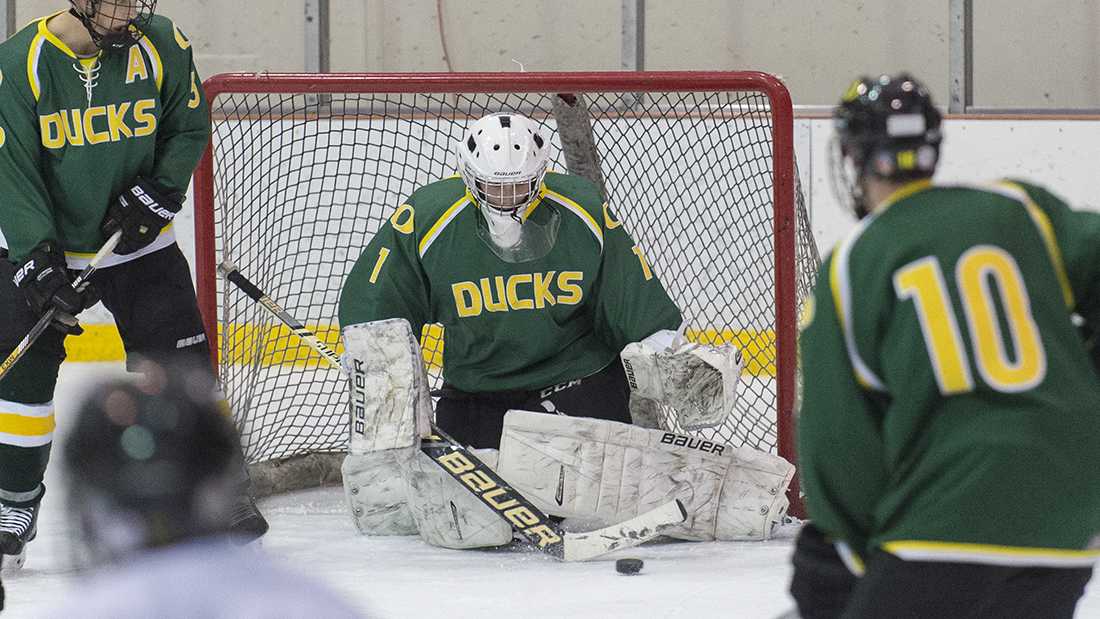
point(1061, 154)
point(1027, 53)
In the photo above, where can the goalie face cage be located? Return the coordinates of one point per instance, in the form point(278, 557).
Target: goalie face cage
point(304, 169)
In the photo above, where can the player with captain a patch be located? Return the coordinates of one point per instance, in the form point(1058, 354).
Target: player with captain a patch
point(547, 306)
point(102, 122)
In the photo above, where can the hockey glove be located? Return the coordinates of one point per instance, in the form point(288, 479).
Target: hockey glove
point(699, 382)
point(142, 211)
point(44, 279)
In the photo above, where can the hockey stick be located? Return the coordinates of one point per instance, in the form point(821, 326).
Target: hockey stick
point(484, 483)
point(44, 321)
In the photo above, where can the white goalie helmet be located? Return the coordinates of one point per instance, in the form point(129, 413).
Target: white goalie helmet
point(502, 159)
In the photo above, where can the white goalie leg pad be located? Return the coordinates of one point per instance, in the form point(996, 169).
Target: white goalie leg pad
point(376, 492)
point(609, 471)
point(446, 512)
point(699, 382)
point(390, 411)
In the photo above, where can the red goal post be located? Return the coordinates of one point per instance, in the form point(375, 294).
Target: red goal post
point(347, 148)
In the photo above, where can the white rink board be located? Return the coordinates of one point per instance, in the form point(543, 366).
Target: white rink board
point(1060, 154)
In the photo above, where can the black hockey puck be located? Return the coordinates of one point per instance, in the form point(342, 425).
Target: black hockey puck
point(628, 566)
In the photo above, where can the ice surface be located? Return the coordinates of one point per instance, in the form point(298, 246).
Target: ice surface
point(402, 577)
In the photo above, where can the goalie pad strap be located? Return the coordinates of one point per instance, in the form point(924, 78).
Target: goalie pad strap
point(390, 404)
point(609, 471)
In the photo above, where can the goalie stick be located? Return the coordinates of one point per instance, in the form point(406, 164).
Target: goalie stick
point(484, 483)
point(43, 322)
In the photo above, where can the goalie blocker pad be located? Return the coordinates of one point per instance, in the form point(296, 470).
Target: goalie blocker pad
point(594, 469)
point(390, 410)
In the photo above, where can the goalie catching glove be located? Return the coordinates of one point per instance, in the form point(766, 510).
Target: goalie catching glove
point(699, 382)
point(141, 212)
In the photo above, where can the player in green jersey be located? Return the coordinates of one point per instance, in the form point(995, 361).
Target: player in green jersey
point(547, 305)
point(102, 122)
point(948, 432)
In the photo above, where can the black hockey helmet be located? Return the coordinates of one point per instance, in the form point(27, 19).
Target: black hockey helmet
point(886, 127)
point(153, 461)
point(122, 23)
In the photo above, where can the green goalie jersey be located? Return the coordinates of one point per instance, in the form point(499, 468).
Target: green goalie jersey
point(75, 132)
point(950, 409)
point(511, 325)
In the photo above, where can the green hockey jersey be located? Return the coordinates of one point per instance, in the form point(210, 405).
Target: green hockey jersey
point(950, 410)
point(508, 326)
point(75, 132)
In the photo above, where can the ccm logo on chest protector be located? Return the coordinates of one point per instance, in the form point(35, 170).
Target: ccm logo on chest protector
point(669, 438)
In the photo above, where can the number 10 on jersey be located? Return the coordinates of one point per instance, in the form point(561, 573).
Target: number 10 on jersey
point(923, 281)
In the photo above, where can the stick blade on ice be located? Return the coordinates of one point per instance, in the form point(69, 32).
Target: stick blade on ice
point(626, 534)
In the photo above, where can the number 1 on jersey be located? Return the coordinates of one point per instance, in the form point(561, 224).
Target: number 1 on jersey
point(382, 255)
point(923, 281)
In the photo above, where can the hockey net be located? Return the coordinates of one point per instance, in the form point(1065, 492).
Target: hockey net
point(304, 169)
